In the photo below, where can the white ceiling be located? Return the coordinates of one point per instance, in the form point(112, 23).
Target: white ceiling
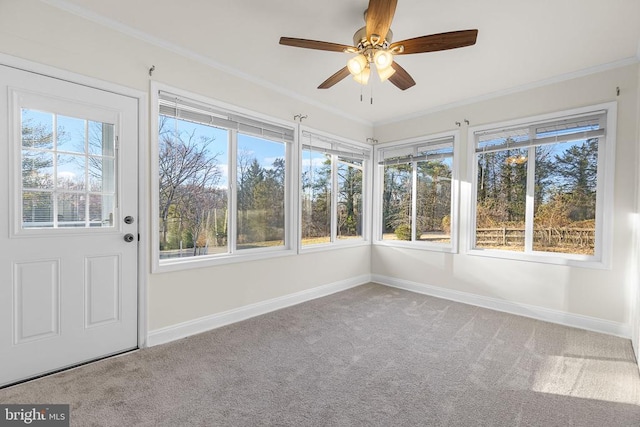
point(520, 43)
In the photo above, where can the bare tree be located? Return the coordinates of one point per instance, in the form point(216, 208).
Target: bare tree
point(184, 160)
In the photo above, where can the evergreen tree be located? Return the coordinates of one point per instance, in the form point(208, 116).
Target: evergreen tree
point(578, 168)
point(350, 200)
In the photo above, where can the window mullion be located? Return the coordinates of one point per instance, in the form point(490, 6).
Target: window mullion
point(87, 188)
point(334, 198)
point(54, 199)
point(414, 203)
point(530, 200)
point(232, 192)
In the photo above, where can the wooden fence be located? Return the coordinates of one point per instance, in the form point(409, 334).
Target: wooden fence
point(542, 237)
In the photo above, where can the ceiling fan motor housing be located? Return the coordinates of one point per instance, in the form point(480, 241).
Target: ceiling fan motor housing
point(360, 39)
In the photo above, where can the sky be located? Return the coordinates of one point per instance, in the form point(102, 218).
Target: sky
point(265, 151)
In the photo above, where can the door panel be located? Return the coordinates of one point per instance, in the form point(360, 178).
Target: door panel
point(36, 300)
point(68, 278)
point(102, 290)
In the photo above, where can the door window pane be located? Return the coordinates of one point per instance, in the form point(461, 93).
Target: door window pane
point(37, 129)
point(101, 210)
point(71, 170)
point(37, 209)
point(101, 178)
point(71, 135)
point(101, 140)
point(71, 209)
point(37, 169)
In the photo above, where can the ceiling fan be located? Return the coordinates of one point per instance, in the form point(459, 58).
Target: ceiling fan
point(373, 45)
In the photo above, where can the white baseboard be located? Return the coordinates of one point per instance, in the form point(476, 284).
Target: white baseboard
point(203, 324)
point(535, 312)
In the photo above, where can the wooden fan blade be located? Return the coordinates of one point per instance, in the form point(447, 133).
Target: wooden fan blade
point(314, 44)
point(401, 79)
point(379, 16)
point(435, 42)
point(341, 74)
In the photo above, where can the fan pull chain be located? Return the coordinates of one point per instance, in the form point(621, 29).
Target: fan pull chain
point(371, 95)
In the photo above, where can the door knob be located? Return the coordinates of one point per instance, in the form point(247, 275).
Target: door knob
point(128, 237)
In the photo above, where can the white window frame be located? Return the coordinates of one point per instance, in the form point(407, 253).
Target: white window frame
point(604, 193)
point(452, 246)
point(347, 145)
point(291, 195)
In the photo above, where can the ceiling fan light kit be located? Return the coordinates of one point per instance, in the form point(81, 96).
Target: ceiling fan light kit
point(357, 64)
point(385, 73)
point(373, 45)
point(363, 76)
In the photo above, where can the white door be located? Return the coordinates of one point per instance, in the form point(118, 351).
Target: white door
point(68, 199)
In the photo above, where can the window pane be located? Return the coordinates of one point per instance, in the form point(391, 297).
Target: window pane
point(37, 169)
point(102, 174)
point(433, 216)
point(71, 169)
point(396, 202)
point(37, 129)
point(316, 197)
point(101, 210)
point(349, 199)
point(71, 134)
point(71, 209)
point(565, 197)
point(101, 139)
point(37, 209)
point(501, 199)
point(193, 188)
point(261, 189)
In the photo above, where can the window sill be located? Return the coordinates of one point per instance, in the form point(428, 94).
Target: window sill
point(215, 260)
point(322, 247)
point(423, 246)
point(582, 261)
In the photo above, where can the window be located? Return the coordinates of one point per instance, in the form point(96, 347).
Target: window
point(222, 182)
point(539, 186)
point(68, 171)
point(332, 182)
point(417, 192)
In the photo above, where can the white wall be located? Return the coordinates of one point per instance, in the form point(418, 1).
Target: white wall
point(600, 294)
point(40, 33)
point(635, 291)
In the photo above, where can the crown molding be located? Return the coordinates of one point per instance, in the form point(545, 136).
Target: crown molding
point(171, 47)
point(516, 89)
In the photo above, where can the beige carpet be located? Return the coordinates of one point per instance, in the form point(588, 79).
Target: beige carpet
point(369, 356)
